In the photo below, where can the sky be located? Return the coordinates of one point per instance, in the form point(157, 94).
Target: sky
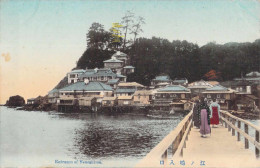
point(40, 41)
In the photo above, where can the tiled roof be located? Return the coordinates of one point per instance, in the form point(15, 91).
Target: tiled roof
point(91, 86)
point(162, 78)
point(120, 76)
point(253, 74)
point(237, 83)
point(217, 88)
point(143, 92)
point(78, 71)
point(97, 73)
point(130, 84)
point(112, 60)
point(174, 88)
point(119, 90)
point(112, 81)
point(200, 84)
point(119, 53)
point(213, 82)
point(125, 97)
point(129, 67)
point(183, 80)
point(54, 91)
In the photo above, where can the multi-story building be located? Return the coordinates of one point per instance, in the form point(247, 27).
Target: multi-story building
point(142, 97)
point(73, 76)
point(114, 64)
point(122, 57)
point(161, 79)
point(224, 96)
point(101, 75)
point(86, 89)
point(198, 87)
point(53, 95)
point(164, 97)
point(180, 81)
point(127, 88)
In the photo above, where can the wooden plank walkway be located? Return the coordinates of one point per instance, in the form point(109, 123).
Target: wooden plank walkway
point(220, 149)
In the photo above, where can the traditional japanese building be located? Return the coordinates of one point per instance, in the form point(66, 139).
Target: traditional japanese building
point(161, 79)
point(127, 88)
point(73, 76)
point(104, 75)
point(31, 101)
point(53, 95)
point(252, 77)
point(125, 100)
point(198, 87)
point(180, 81)
point(128, 69)
point(224, 96)
point(122, 57)
point(142, 97)
point(109, 101)
point(86, 89)
point(114, 64)
point(164, 97)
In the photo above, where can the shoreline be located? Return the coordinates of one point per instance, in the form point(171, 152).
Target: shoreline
point(128, 109)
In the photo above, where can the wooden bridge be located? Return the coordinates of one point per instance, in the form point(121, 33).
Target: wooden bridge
point(227, 146)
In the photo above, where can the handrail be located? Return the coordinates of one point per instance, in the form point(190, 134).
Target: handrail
point(160, 151)
point(182, 143)
point(242, 120)
point(230, 122)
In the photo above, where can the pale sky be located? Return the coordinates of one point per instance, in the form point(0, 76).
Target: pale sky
point(44, 39)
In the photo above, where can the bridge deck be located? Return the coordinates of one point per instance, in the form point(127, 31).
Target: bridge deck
point(220, 149)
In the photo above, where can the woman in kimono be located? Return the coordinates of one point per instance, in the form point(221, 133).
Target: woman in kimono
point(195, 116)
point(204, 118)
point(214, 113)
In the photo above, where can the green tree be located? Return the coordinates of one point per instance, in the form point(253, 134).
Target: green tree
point(97, 37)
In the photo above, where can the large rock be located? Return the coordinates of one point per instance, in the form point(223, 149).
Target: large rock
point(15, 101)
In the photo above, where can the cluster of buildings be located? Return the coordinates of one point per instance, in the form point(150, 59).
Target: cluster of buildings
point(107, 87)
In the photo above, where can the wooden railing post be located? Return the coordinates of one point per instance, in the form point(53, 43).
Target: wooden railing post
point(176, 144)
point(257, 140)
point(229, 128)
point(164, 156)
point(233, 130)
point(238, 133)
point(225, 122)
point(246, 140)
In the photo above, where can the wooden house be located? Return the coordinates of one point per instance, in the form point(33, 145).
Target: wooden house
point(223, 95)
point(142, 97)
point(125, 100)
point(109, 101)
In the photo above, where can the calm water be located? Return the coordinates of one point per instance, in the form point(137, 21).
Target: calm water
point(40, 138)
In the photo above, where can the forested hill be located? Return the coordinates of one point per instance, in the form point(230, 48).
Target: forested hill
point(180, 59)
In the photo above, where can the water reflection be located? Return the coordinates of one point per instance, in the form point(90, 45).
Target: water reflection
point(46, 136)
point(118, 136)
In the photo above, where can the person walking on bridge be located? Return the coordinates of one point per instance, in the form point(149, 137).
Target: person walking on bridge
point(214, 113)
point(204, 117)
point(195, 116)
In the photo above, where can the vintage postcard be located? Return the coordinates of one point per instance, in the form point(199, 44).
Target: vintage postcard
point(112, 83)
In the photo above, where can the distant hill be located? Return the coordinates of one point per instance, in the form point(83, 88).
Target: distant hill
point(154, 56)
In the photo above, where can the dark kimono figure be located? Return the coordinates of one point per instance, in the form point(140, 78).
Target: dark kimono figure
point(214, 113)
point(195, 116)
point(204, 118)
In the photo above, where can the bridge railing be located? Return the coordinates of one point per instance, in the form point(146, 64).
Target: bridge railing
point(174, 141)
point(233, 124)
